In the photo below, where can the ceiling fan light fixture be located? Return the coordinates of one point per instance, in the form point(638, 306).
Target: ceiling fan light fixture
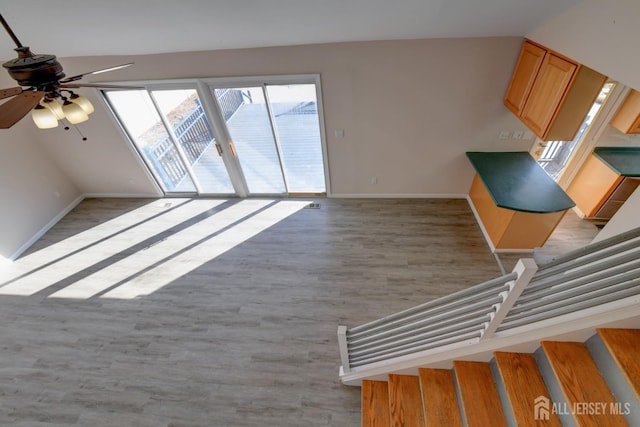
point(42, 81)
point(83, 102)
point(43, 117)
point(54, 106)
point(74, 113)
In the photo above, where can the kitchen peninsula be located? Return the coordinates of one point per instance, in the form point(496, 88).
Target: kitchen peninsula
point(608, 177)
point(516, 203)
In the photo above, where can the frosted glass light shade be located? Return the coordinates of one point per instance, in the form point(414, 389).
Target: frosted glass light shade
point(74, 113)
point(83, 102)
point(43, 117)
point(54, 106)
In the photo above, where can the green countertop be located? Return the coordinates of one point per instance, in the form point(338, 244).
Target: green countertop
point(624, 160)
point(516, 181)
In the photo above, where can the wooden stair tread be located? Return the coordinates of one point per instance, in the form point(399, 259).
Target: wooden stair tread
point(581, 382)
point(405, 401)
point(624, 346)
point(523, 384)
point(480, 400)
point(375, 403)
point(439, 397)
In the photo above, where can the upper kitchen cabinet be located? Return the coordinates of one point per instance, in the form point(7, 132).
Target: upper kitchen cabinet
point(550, 93)
point(529, 63)
point(627, 118)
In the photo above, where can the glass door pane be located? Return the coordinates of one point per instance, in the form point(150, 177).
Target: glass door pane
point(245, 112)
point(295, 113)
point(140, 119)
point(183, 111)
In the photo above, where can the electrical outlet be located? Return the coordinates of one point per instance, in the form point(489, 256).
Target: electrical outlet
point(504, 134)
point(518, 134)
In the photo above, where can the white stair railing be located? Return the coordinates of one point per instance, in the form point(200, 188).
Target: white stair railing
point(594, 276)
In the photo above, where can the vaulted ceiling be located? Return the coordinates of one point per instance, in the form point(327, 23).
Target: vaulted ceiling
point(81, 28)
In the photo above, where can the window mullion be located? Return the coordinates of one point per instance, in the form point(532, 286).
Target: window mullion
point(216, 121)
point(274, 132)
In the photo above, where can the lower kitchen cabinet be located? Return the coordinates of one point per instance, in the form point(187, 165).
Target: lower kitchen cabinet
point(601, 187)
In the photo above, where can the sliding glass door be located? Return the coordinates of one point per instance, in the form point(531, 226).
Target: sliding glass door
point(182, 110)
point(140, 118)
point(251, 132)
point(209, 137)
point(296, 123)
point(173, 135)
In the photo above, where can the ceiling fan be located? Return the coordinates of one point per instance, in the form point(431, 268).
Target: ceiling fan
point(44, 89)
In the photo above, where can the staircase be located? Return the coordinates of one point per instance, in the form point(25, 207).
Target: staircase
point(595, 383)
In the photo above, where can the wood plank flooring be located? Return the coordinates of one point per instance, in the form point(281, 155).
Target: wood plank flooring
point(246, 338)
point(571, 233)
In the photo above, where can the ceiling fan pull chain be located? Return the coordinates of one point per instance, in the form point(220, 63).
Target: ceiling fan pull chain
point(84, 138)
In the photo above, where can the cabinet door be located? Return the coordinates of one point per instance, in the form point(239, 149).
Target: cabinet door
point(547, 94)
point(617, 198)
point(524, 75)
point(593, 185)
point(627, 118)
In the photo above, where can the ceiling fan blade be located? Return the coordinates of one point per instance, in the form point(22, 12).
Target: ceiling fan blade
point(98, 85)
point(15, 109)
point(104, 70)
point(5, 93)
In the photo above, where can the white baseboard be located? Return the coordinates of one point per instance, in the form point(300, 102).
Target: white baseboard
point(122, 196)
point(68, 209)
point(80, 198)
point(514, 251)
point(46, 228)
point(397, 196)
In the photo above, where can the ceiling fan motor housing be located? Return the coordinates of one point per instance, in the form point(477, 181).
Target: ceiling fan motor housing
point(39, 71)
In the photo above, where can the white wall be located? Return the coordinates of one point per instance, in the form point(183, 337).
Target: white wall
point(33, 190)
point(603, 35)
point(409, 110)
point(600, 34)
point(624, 220)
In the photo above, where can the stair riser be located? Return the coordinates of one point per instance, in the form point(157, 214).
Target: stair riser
point(502, 392)
point(614, 378)
point(553, 387)
point(601, 371)
point(460, 408)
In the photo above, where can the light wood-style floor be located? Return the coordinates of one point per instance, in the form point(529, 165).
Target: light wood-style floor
point(161, 316)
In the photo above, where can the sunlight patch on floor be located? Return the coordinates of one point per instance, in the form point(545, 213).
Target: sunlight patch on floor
point(158, 277)
point(163, 251)
point(52, 253)
point(88, 248)
point(4, 263)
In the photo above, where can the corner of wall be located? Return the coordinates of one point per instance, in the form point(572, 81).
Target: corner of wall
point(46, 228)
